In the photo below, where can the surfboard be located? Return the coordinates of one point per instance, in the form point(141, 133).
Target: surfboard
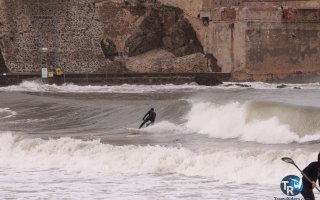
point(135, 131)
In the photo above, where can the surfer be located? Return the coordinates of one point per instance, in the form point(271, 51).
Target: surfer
point(313, 172)
point(149, 116)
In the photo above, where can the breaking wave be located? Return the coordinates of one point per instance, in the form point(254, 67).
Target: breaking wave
point(263, 122)
point(74, 155)
point(6, 113)
point(38, 86)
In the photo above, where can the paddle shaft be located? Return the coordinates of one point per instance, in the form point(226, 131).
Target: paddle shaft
point(303, 174)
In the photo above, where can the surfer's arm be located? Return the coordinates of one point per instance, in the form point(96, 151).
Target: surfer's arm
point(145, 115)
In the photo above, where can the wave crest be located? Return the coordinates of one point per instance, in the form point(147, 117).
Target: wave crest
point(6, 113)
point(74, 155)
point(245, 122)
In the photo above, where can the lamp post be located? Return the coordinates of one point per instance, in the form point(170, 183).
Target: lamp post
point(44, 70)
point(43, 50)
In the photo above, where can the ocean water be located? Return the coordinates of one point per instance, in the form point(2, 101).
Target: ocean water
point(223, 142)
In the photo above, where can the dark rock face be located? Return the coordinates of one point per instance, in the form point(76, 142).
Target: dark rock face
point(179, 36)
point(109, 49)
point(213, 63)
point(238, 84)
point(138, 10)
point(208, 81)
point(3, 67)
point(147, 39)
point(282, 86)
point(165, 27)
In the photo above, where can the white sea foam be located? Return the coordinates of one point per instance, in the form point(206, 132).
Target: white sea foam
point(73, 155)
point(38, 86)
point(167, 127)
point(6, 113)
point(266, 86)
point(229, 121)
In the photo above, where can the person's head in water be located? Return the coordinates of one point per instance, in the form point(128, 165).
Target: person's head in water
point(152, 109)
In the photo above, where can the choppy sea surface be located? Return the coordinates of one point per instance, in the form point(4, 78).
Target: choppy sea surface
point(222, 142)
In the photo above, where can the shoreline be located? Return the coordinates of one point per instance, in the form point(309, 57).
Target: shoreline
point(209, 79)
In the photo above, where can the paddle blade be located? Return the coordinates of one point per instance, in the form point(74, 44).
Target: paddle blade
point(287, 160)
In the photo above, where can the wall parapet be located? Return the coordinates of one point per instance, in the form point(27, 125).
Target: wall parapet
point(120, 78)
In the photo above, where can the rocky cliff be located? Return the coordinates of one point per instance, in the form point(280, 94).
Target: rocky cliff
point(94, 36)
point(253, 39)
point(141, 36)
point(3, 68)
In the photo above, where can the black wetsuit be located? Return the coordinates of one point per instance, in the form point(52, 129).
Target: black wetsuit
point(313, 172)
point(150, 116)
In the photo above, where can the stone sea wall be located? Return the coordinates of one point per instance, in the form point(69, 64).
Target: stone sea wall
point(252, 39)
point(258, 39)
point(50, 33)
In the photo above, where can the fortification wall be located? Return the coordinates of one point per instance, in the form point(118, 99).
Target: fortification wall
point(259, 36)
point(38, 33)
point(249, 36)
point(91, 36)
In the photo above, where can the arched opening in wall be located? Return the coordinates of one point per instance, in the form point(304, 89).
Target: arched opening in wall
point(3, 67)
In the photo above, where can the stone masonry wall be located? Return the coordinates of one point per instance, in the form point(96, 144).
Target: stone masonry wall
point(288, 44)
point(276, 50)
point(247, 36)
point(50, 33)
point(271, 39)
point(91, 35)
point(259, 36)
